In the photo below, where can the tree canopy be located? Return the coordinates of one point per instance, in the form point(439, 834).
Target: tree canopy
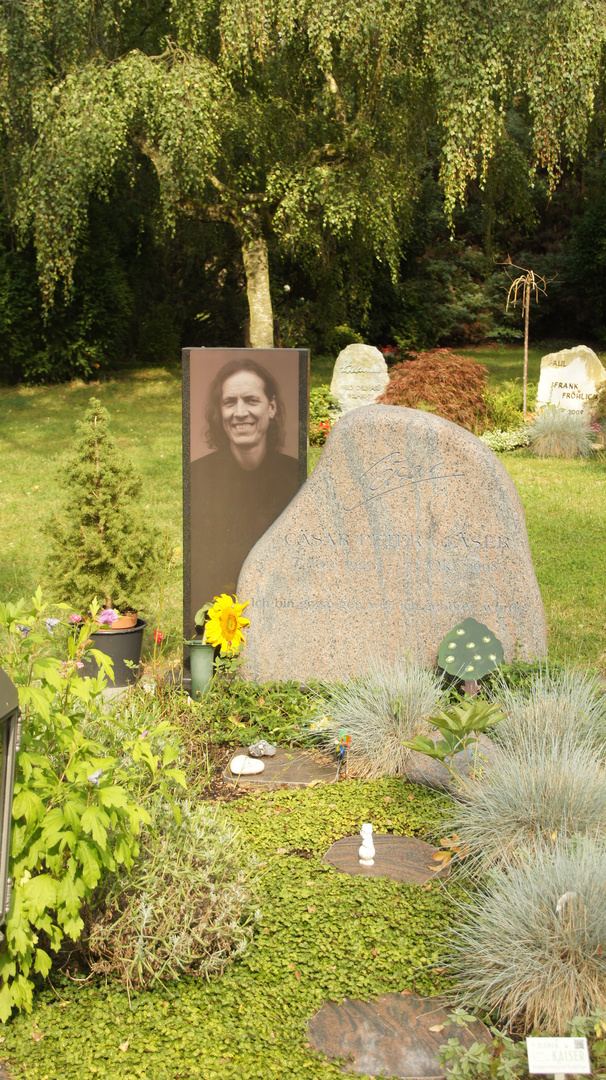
point(296, 122)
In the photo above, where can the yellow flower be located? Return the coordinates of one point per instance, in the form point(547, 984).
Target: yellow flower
point(224, 622)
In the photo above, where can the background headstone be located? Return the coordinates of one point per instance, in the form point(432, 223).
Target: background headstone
point(569, 378)
point(359, 376)
point(407, 525)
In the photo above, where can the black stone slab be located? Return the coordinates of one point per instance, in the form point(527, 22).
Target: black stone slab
point(401, 858)
point(391, 1036)
point(288, 768)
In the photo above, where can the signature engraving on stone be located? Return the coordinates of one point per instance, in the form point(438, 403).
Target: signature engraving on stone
point(391, 473)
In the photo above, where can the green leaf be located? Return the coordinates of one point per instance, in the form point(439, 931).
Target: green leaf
point(40, 893)
point(28, 805)
point(39, 699)
point(95, 821)
point(69, 895)
point(53, 824)
point(112, 795)
point(91, 866)
point(42, 963)
point(6, 1002)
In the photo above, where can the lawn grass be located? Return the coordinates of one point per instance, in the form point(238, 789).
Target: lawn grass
point(36, 431)
point(564, 501)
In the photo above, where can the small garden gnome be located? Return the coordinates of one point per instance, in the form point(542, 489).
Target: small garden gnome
point(367, 848)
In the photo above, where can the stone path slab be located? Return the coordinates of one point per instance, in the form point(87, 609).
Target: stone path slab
point(401, 858)
point(288, 768)
point(393, 1036)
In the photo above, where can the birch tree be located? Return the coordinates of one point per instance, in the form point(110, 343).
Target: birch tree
point(298, 122)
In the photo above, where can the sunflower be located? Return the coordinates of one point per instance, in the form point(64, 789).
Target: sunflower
point(224, 622)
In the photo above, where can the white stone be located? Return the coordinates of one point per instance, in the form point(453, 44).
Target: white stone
point(242, 765)
point(360, 375)
point(366, 851)
point(569, 378)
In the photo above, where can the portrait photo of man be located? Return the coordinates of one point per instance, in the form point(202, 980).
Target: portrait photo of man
point(245, 458)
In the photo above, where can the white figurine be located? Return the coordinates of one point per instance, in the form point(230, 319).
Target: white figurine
point(367, 848)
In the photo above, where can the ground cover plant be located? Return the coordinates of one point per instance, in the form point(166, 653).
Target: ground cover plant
point(322, 935)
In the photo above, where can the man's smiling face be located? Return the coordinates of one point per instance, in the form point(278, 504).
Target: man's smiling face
point(246, 410)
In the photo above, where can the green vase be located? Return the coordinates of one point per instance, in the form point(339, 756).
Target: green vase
point(201, 658)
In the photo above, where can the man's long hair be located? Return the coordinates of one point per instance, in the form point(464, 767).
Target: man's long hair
point(215, 433)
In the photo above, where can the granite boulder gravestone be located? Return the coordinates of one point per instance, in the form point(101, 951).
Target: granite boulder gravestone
point(359, 376)
point(569, 378)
point(407, 525)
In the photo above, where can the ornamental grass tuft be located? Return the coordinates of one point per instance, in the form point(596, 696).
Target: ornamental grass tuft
point(379, 712)
point(187, 907)
point(565, 706)
point(531, 944)
point(560, 433)
point(531, 795)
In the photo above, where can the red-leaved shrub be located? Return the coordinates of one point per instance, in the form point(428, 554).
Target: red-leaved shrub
point(442, 382)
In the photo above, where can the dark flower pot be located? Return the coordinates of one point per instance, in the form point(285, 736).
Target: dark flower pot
point(119, 645)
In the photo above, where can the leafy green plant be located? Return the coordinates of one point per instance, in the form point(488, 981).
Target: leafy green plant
point(234, 711)
point(78, 807)
point(323, 412)
point(101, 546)
point(504, 1058)
point(309, 821)
point(504, 406)
point(460, 726)
point(559, 433)
point(379, 711)
point(186, 906)
point(530, 944)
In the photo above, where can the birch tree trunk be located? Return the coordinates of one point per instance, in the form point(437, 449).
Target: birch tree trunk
point(254, 256)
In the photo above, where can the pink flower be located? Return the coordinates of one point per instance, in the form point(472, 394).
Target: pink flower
point(158, 636)
point(75, 618)
point(107, 617)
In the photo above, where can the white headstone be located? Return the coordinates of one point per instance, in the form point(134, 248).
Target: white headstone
point(360, 375)
point(569, 378)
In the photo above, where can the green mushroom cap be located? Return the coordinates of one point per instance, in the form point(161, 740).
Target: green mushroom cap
point(454, 657)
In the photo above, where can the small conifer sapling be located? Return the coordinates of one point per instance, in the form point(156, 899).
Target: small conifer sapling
point(101, 545)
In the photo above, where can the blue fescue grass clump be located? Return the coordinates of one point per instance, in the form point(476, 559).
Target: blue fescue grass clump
point(560, 433)
point(563, 705)
point(530, 796)
point(531, 943)
point(379, 711)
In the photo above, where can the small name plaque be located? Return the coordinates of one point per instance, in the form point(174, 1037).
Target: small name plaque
point(557, 1057)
